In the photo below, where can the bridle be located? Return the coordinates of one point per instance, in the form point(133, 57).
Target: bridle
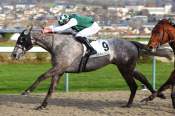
point(24, 42)
point(162, 37)
point(22, 48)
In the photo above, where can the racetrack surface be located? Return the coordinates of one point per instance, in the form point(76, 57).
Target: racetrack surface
point(85, 104)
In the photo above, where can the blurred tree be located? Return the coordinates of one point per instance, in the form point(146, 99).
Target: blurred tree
point(144, 12)
point(173, 3)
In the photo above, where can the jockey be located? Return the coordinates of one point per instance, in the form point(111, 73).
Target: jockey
point(84, 26)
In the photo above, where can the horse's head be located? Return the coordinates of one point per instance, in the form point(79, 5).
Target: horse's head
point(159, 34)
point(23, 44)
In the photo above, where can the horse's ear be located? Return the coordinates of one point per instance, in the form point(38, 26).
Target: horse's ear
point(23, 31)
point(29, 28)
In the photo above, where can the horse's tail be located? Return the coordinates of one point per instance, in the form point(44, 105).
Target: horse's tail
point(144, 50)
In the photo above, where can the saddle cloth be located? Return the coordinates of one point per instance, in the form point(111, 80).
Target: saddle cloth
point(101, 46)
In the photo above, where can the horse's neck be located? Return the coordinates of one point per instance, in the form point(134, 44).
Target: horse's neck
point(44, 41)
point(50, 41)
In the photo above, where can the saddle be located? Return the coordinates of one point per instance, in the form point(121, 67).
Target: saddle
point(102, 48)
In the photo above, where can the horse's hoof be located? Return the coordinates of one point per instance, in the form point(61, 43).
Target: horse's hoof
point(126, 106)
point(26, 93)
point(146, 100)
point(150, 98)
point(173, 100)
point(40, 108)
point(174, 105)
point(161, 95)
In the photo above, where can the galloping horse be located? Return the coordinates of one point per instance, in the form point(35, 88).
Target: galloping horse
point(164, 32)
point(66, 54)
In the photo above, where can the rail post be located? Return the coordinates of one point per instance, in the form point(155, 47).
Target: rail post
point(66, 82)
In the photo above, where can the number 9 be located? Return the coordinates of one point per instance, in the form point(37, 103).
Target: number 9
point(105, 46)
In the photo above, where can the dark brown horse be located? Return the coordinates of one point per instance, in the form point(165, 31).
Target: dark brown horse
point(164, 32)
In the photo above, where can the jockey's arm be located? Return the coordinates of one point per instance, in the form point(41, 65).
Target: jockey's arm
point(71, 23)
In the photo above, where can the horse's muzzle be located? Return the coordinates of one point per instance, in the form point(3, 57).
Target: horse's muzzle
point(14, 56)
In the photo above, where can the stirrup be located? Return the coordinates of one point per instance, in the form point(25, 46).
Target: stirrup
point(93, 52)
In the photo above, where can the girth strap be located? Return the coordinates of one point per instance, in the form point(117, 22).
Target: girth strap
point(83, 62)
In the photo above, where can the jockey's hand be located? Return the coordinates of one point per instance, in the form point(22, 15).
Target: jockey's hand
point(47, 30)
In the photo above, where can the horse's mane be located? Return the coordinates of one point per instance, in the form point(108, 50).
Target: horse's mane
point(38, 34)
point(162, 23)
point(166, 22)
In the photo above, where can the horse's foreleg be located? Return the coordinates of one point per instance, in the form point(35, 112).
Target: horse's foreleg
point(133, 87)
point(35, 84)
point(173, 82)
point(165, 86)
point(42, 77)
point(173, 92)
point(54, 82)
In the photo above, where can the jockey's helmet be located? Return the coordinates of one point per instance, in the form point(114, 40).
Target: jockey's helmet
point(63, 19)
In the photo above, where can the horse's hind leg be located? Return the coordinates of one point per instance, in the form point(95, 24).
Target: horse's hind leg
point(139, 76)
point(172, 83)
point(128, 76)
point(173, 93)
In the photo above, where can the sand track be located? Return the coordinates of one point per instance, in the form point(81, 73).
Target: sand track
point(85, 104)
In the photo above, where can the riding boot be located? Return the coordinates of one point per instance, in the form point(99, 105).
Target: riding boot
point(85, 41)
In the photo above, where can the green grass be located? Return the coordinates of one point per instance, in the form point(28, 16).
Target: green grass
point(138, 39)
point(14, 78)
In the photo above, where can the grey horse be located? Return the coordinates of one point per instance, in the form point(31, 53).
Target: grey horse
point(66, 54)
